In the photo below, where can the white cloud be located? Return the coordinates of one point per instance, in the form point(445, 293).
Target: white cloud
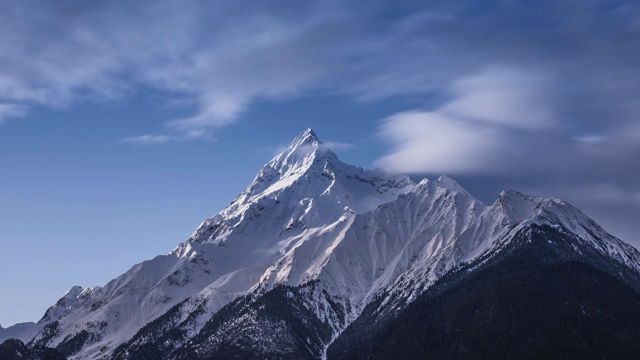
point(475, 132)
point(488, 129)
point(433, 142)
point(220, 110)
point(503, 96)
point(11, 111)
point(148, 139)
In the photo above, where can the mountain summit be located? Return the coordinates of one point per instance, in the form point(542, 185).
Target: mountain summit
point(308, 137)
point(304, 151)
point(303, 186)
point(321, 259)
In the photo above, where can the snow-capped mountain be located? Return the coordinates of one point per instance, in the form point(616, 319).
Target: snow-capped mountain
point(312, 246)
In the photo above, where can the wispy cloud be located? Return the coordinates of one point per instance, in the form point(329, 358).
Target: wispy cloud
point(148, 139)
point(339, 146)
point(8, 111)
point(221, 57)
point(476, 131)
point(503, 96)
point(503, 122)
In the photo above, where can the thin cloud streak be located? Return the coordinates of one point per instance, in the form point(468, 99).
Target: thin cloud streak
point(339, 146)
point(148, 139)
point(8, 111)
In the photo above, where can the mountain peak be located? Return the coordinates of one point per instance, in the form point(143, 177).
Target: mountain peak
point(305, 150)
point(308, 137)
point(304, 154)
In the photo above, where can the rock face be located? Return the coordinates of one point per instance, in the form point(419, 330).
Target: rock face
point(318, 258)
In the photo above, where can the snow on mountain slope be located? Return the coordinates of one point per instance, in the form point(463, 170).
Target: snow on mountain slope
point(404, 246)
point(298, 196)
point(301, 188)
point(524, 210)
point(308, 218)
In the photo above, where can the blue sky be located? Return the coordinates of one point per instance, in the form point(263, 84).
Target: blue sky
point(124, 125)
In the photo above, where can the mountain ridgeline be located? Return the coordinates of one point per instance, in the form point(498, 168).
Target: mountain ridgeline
point(318, 259)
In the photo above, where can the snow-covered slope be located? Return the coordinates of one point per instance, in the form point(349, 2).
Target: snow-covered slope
point(310, 221)
point(303, 194)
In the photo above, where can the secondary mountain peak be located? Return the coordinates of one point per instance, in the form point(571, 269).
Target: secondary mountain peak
point(446, 182)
